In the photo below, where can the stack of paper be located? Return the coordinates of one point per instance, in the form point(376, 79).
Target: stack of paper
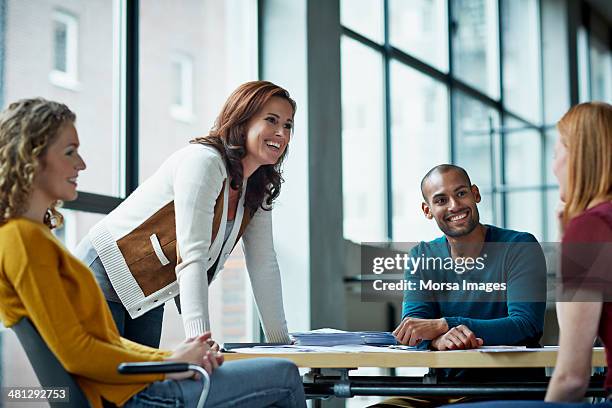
point(333, 337)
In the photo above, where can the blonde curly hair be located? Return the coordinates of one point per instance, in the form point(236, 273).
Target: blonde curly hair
point(27, 128)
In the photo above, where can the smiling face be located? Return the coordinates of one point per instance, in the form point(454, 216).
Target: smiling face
point(451, 201)
point(268, 133)
point(60, 166)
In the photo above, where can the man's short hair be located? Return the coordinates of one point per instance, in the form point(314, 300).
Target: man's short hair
point(441, 169)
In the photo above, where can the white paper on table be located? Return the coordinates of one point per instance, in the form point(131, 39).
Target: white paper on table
point(273, 349)
point(345, 348)
point(361, 348)
point(514, 349)
point(494, 349)
point(502, 349)
point(511, 349)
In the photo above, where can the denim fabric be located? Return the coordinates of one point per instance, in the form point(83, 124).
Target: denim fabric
point(145, 329)
point(92, 259)
point(256, 383)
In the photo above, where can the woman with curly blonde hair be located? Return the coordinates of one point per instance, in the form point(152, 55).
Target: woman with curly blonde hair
point(25, 129)
point(41, 281)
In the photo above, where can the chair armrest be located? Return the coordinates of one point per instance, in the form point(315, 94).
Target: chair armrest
point(152, 367)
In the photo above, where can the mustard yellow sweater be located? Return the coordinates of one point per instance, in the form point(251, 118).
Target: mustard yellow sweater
point(40, 280)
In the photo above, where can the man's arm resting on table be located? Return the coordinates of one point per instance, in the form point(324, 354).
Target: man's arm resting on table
point(523, 323)
point(457, 338)
point(413, 330)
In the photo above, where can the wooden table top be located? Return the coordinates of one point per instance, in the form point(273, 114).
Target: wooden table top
point(431, 359)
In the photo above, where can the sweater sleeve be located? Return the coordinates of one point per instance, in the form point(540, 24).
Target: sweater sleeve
point(526, 272)
point(197, 183)
point(140, 348)
point(414, 304)
point(38, 284)
point(264, 273)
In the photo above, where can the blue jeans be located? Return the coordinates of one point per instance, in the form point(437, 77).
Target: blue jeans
point(260, 382)
point(145, 329)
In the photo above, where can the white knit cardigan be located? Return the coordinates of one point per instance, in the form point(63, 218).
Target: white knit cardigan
point(193, 178)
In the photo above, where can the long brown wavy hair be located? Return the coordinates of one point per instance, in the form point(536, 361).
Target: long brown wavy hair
point(586, 132)
point(228, 136)
point(27, 128)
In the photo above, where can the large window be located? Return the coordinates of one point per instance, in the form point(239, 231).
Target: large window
point(363, 142)
point(136, 102)
point(43, 45)
point(479, 83)
point(475, 44)
point(206, 50)
point(521, 58)
point(420, 28)
point(419, 135)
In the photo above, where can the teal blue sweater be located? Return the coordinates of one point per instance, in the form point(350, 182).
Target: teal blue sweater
point(518, 319)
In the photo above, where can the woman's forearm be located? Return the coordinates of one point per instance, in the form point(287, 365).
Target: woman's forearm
point(566, 386)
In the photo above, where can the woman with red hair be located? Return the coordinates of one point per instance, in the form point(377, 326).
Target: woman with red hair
point(173, 234)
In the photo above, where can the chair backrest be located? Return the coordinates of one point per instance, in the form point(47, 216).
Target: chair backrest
point(47, 367)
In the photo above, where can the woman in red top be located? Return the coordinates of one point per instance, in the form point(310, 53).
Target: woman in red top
point(583, 166)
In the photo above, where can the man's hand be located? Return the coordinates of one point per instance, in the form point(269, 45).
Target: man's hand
point(457, 338)
point(195, 351)
point(412, 331)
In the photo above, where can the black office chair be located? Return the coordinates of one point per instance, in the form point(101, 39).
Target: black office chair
point(51, 373)
point(48, 369)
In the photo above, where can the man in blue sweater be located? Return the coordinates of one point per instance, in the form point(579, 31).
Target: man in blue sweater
point(498, 300)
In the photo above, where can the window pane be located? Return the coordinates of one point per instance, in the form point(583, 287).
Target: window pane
point(59, 40)
point(601, 71)
point(552, 223)
point(419, 141)
point(489, 208)
point(474, 142)
point(521, 71)
point(475, 44)
point(76, 226)
point(523, 155)
point(420, 28)
point(177, 83)
point(584, 92)
point(363, 143)
point(29, 63)
point(524, 212)
point(220, 38)
point(551, 138)
point(364, 17)
point(555, 60)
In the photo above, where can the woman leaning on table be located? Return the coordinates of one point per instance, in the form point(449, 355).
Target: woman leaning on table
point(583, 166)
point(40, 280)
point(174, 233)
